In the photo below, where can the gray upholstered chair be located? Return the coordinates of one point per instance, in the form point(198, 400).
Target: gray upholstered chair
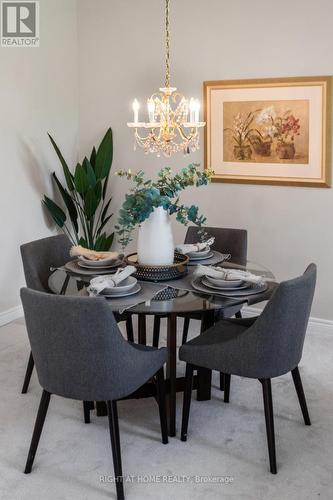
point(227, 240)
point(37, 258)
point(81, 354)
point(263, 349)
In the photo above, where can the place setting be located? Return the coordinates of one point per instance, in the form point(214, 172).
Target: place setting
point(202, 253)
point(93, 263)
point(216, 280)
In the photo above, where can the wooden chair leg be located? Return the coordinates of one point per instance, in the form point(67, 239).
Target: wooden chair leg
point(28, 373)
point(162, 404)
point(238, 315)
point(185, 330)
point(156, 331)
point(187, 400)
point(227, 379)
point(86, 411)
point(40, 419)
point(269, 417)
point(142, 329)
point(129, 329)
point(115, 445)
point(301, 396)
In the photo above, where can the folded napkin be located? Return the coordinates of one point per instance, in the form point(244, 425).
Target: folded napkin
point(98, 284)
point(228, 274)
point(78, 251)
point(194, 247)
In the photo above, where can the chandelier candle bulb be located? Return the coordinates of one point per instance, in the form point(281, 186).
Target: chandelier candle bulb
point(192, 110)
point(151, 110)
point(136, 107)
point(197, 110)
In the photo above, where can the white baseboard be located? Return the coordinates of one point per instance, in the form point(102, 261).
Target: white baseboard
point(316, 325)
point(11, 315)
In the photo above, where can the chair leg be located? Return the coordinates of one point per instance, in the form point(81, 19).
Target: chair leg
point(187, 400)
point(238, 315)
point(269, 417)
point(129, 329)
point(156, 331)
point(86, 411)
point(40, 419)
point(185, 330)
point(227, 379)
point(221, 381)
point(301, 396)
point(115, 444)
point(28, 373)
point(162, 405)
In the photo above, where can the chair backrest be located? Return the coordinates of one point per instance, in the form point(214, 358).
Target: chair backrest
point(276, 339)
point(78, 349)
point(38, 256)
point(227, 240)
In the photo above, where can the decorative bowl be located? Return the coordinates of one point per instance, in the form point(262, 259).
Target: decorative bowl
point(155, 273)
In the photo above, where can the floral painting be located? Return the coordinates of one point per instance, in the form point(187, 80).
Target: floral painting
point(266, 131)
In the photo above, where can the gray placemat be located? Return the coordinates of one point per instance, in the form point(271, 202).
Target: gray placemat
point(146, 294)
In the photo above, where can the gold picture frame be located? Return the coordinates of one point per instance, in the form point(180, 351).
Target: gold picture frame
point(269, 131)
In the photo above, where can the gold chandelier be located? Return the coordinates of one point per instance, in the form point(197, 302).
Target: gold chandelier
point(174, 121)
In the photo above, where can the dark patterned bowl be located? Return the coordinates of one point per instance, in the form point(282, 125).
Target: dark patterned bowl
point(159, 273)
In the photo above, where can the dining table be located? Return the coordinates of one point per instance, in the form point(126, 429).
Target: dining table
point(169, 299)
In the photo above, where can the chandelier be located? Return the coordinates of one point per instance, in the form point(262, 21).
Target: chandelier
point(174, 121)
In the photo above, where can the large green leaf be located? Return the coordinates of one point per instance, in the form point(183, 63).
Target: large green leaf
point(105, 210)
point(90, 203)
point(57, 214)
point(93, 157)
point(81, 180)
point(105, 185)
point(68, 175)
point(98, 190)
point(70, 205)
point(90, 172)
point(103, 242)
point(105, 221)
point(104, 156)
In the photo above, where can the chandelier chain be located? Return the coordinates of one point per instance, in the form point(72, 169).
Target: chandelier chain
point(167, 44)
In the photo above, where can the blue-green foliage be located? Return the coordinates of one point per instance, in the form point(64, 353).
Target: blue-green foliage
point(164, 192)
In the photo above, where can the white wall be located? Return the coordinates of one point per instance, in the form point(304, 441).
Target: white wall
point(38, 93)
point(121, 45)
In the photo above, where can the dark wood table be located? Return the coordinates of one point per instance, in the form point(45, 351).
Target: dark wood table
point(180, 303)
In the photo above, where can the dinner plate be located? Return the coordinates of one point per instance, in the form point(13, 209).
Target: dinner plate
point(224, 283)
point(207, 283)
point(200, 253)
point(73, 267)
point(106, 263)
point(212, 259)
point(124, 286)
point(133, 291)
point(201, 257)
point(252, 290)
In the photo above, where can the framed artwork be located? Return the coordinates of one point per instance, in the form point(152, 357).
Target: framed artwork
point(269, 131)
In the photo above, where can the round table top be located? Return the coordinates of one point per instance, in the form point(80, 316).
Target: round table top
point(181, 301)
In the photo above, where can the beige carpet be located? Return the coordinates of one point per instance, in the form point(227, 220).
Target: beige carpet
point(226, 442)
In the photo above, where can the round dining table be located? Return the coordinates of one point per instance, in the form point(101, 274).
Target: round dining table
point(170, 303)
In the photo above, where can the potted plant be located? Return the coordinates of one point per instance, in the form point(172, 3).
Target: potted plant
point(241, 134)
point(85, 197)
point(149, 206)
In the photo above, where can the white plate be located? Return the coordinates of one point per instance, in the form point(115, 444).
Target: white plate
point(205, 282)
point(201, 257)
point(98, 263)
point(252, 290)
point(201, 253)
point(224, 283)
point(124, 286)
point(134, 290)
point(73, 267)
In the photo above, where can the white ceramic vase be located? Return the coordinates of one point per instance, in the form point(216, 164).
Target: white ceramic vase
point(155, 240)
